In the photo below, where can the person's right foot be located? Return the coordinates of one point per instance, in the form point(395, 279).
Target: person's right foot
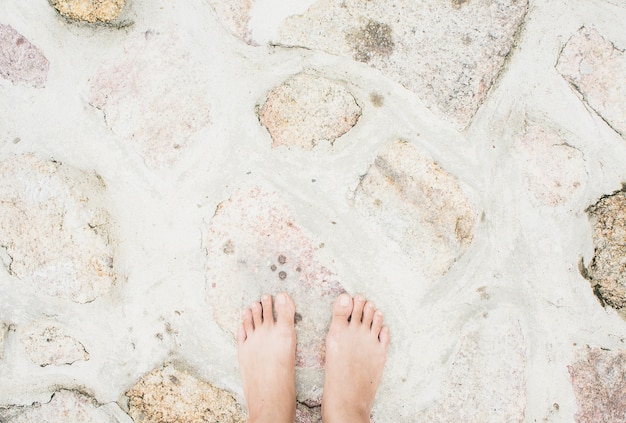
point(356, 349)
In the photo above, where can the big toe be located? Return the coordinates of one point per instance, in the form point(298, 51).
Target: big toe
point(342, 309)
point(285, 309)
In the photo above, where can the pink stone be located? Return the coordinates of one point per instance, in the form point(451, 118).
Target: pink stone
point(596, 70)
point(20, 61)
point(235, 15)
point(599, 383)
point(250, 240)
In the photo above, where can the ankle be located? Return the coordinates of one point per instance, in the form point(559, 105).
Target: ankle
point(352, 414)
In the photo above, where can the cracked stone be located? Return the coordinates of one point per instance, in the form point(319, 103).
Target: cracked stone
point(20, 61)
point(153, 97)
point(418, 205)
point(64, 406)
point(55, 228)
point(261, 232)
point(599, 384)
point(596, 70)
point(447, 52)
point(306, 414)
point(306, 110)
point(554, 169)
point(170, 395)
point(89, 10)
point(49, 345)
point(607, 270)
point(486, 382)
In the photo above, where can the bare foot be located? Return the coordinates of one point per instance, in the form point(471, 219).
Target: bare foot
point(267, 354)
point(356, 349)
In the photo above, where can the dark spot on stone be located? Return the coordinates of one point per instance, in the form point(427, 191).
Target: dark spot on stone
point(159, 336)
point(297, 318)
point(282, 259)
point(273, 267)
point(229, 247)
point(556, 406)
point(213, 285)
point(483, 293)
point(282, 275)
point(174, 380)
point(372, 40)
point(19, 41)
point(377, 99)
point(298, 269)
point(322, 245)
point(458, 3)
point(17, 140)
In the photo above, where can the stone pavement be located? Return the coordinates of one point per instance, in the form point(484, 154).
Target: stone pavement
point(459, 162)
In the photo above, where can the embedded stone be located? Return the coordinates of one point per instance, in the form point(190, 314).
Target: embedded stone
point(447, 52)
point(596, 70)
point(306, 110)
point(607, 270)
point(4, 329)
point(170, 395)
point(417, 205)
point(249, 236)
point(305, 414)
point(21, 62)
point(554, 169)
point(48, 345)
point(64, 406)
point(153, 97)
point(598, 378)
point(235, 15)
point(486, 375)
point(89, 10)
point(54, 229)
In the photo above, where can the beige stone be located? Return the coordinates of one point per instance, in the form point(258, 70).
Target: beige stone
point(169, 395)
point(607, 270)
point(90, 10)
point(49, 345)
point(306, 110)
point(235, 15)
point(418, 205)
point(55, 229)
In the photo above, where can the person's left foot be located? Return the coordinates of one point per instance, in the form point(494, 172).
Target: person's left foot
point(267, 355)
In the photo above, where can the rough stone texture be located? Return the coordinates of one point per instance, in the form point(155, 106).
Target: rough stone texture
point(486, 381)
point(20, 61)
point(169, 395)
point(597, 71)
point(418, 205)
point(89, 10)
point(253, 246)
point(235, 15)
point(599, 383)
point(554, 169)
point(54, 228)
point(447, 52)
point(46, 345)
point(306, 414)
point(306, 110)
point(153, 97)
point(64, 406)
point(607, 270)
point(4, 329)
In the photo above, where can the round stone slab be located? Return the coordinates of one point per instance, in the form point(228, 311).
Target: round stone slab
point(54, 228)
point(48, 344)
point(171, 395)
point(306, 110)
point(89, 10)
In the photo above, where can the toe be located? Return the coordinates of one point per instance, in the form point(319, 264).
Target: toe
point(268, 313)
point(368, 314)
point(384, 336)
point(257, 314)
point(241, 335)
point(285, 309)
point(342, 309)
point(247, 324)
point(357, 310)
point(377, 323)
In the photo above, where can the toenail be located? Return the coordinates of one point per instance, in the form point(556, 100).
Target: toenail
point(281, 299)
point(344, 300)
point(264, 297)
